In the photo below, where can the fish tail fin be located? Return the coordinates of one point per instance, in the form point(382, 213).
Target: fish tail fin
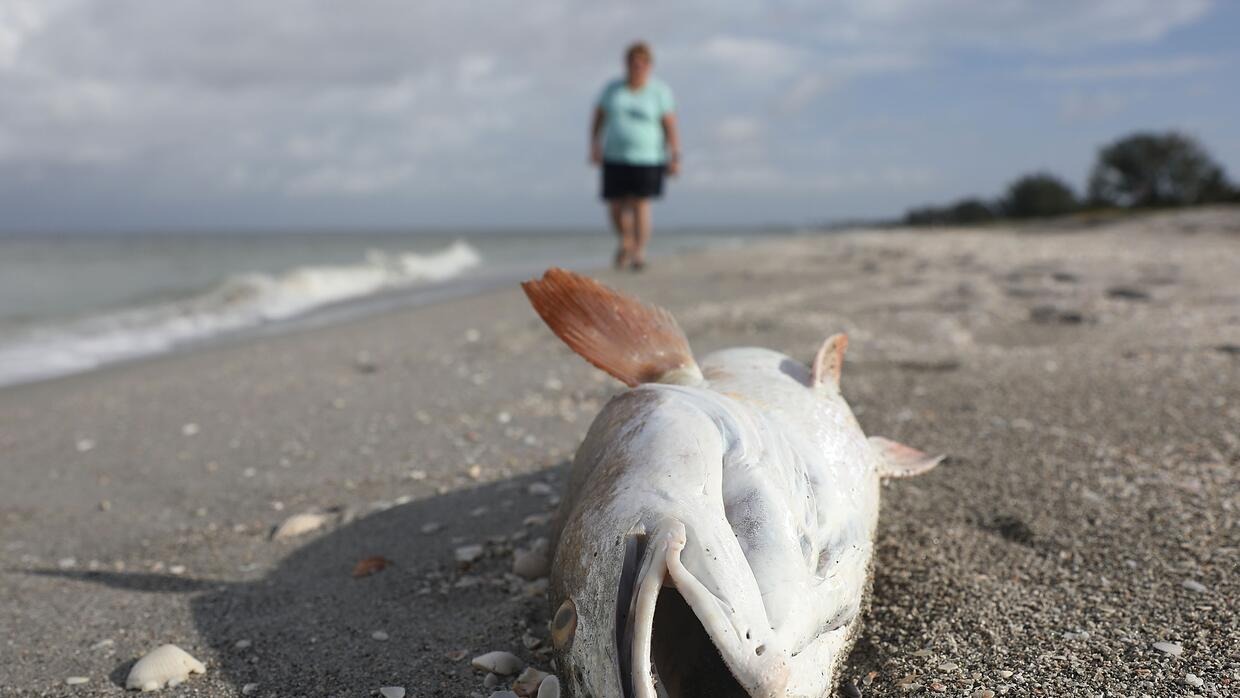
point(633, 342)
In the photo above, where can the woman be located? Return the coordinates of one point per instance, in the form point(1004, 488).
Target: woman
point(634, 138)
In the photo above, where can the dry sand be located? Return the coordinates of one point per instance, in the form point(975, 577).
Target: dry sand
point(1085, 383)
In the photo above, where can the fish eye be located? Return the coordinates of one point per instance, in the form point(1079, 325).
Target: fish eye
point(564, 626)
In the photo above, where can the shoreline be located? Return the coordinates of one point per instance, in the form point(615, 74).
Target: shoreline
point(492, 274)
point(1074, 378)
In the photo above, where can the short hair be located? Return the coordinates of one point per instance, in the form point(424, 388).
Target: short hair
point(638, 48)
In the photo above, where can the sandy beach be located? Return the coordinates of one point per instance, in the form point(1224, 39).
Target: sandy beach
point(1083, 379)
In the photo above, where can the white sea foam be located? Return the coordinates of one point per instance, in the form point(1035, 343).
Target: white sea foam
point(239, 303)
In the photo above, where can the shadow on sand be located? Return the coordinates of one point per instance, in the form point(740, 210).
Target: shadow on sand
point(308, 627)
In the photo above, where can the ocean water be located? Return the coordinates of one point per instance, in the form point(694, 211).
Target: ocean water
point(74, 303)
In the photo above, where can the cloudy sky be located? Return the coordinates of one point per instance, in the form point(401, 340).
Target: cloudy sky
point(204, 114)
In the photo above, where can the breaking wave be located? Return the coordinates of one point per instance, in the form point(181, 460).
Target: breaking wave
point(239, 303)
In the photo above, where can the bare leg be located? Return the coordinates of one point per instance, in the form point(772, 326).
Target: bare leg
point(621, 221)
point(642, 229)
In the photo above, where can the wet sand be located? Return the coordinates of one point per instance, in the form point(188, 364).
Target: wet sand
point(1083, 379)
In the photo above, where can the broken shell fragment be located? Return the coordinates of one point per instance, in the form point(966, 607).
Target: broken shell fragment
point(166, 665)
point(528, 682)
point(299, 524)
point(392, 692)
point(502, 663)
point(550, 688)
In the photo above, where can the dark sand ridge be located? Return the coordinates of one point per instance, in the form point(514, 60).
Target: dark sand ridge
point(1084, 382)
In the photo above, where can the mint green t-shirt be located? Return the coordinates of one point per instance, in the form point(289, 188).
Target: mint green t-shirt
point(633, 127)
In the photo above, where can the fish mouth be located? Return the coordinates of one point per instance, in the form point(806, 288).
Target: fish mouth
point(665, 647)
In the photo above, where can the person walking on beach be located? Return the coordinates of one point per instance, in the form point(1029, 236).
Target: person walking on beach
point(634, 138)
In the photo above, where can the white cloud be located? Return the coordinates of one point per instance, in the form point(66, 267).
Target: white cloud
point(20, 21)
point(1042, 25)
point(753, 58)
point(1092, 105)
point(738, 130)
point(1137, 69)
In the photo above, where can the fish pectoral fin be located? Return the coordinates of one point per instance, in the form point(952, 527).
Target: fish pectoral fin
point(633, 342)
point(898, 460)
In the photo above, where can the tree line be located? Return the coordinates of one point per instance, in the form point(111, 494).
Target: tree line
point(1142, 170)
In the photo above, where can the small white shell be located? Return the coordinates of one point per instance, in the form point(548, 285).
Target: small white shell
point(298, 524)
point(392, 692)
point(166, 665)
point(468, 553)
point(502, 663)
point(550, 688)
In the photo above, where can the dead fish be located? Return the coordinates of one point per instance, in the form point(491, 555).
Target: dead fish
point(716, 534)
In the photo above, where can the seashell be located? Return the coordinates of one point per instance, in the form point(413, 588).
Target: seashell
point(299, 524)
point(550, 688)
point(392, 692)
point(166, 665)
point(537, 519)
point(1174, 649)
point(468, 553)
point(502, 663)
point(528, 682)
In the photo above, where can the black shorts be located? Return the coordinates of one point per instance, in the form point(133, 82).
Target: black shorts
point(621, 181)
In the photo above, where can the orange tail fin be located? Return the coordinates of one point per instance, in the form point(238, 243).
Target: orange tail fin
point(634, 342)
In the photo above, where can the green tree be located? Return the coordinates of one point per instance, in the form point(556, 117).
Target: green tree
point(1039, 195)
point(971, 212)
point(1157, 169)
point(962, 212)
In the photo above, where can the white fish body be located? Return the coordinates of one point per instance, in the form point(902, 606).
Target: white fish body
point(717, 534)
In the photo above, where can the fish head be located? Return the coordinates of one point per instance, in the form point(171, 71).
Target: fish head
point(641, 619)
point(649, 586)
